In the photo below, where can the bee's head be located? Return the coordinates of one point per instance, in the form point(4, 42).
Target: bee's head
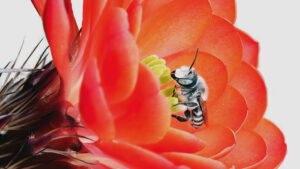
point(184, 76)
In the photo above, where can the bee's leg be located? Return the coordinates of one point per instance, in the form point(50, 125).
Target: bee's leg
point(187, 114)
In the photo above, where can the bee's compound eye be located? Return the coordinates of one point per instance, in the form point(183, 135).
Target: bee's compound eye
point(185, 81)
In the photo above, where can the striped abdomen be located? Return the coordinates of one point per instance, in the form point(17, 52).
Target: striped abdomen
point(197, 117)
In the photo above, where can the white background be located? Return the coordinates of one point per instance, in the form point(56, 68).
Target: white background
point(274, 23)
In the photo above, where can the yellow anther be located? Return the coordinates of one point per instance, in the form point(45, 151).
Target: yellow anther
point(149, 59)
point(157, 62)
point(158, 66)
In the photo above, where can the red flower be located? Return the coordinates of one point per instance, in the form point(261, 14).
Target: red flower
point(119, 97)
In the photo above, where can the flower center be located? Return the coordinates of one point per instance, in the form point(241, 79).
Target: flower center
point(158, 66)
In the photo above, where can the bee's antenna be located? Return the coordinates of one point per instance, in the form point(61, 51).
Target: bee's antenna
point(194, 59)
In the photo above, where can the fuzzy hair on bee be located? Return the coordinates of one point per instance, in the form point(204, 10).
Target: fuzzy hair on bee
point(191, 90)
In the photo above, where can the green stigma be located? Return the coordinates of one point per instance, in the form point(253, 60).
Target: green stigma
point(158, 66)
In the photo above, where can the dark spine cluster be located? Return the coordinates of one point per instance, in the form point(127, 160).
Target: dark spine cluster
point(35, 130)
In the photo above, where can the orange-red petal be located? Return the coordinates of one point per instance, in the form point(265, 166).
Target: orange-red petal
point(276, 147)
point(174, 27)
point(219, 141)
point(250, 49)
point(39, 6)
point(92, 11)
point(127, 3)
point(250, 149)
point(56, 17)
point(135, 155)
point(230, 110)
point(150, 6)
point(178, 141)
point(73, 24)
point(145, 117)
point(194, 161)
point(207, 66)
point(222, 40)
point(101, 158)
point(250, 84)
point(120, 3)
point(147, 86)
point(145, 122)
point(224, 8)
point(135, 17)
point(117, 57)
point(93, 107)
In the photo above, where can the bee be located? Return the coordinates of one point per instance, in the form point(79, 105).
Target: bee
point(192, 93)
